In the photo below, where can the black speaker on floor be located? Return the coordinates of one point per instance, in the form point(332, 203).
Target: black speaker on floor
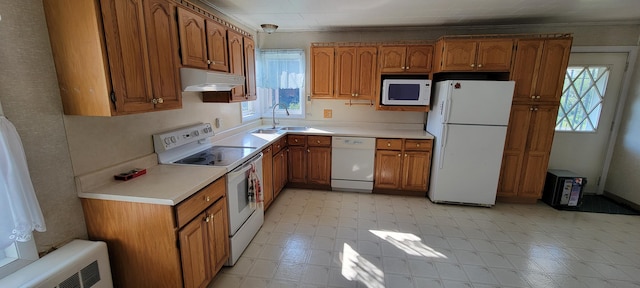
point(563, 188)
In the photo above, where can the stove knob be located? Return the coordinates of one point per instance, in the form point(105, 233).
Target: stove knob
point(173, 139)
point(167, 141)
point(196, 133)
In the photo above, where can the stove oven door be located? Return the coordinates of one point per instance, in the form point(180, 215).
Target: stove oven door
point(238, 193)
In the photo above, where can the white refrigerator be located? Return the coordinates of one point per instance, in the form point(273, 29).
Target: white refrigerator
point(469, 120)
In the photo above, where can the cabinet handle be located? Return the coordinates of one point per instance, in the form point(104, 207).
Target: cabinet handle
point(207, 199)
point(404, 68)
point(533, 96)
point(473, 65)
point(530, 108)
point(479, 65)
point(308, 151)
point(535, 109)
point(295, 140)
point(318, 141)
point(405, 154)
point(399, 155)
point(538, 97)
point(357, 94)
point(157, 101)
point(208, 61)
point(418, 145)
point(207, 219)
point(388, 144)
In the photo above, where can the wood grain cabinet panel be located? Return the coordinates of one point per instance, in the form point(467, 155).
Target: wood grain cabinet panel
point(280, 168)
point(267, 176)
point(193, 39)
point(149, 248)
point(539, 69)
point(406, 59)
point(218, 58)
point(322, 72)
point(355, 72)
point(403, 165)
point(117, 70)
point(249, 69)
point(236, 62)
point(309, 160)
point(488, 55)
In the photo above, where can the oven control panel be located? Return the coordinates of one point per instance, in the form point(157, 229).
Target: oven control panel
point(176, 138)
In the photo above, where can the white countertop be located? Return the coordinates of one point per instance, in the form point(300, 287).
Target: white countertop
point(168, 184)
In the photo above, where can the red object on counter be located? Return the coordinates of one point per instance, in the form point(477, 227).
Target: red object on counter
point(130, 174)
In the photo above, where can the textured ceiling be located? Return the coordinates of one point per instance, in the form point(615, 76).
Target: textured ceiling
point(318, 15)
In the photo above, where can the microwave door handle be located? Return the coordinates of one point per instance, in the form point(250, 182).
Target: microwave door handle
point(443, 144)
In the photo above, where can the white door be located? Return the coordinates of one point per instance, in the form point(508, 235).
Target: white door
point(584, 151)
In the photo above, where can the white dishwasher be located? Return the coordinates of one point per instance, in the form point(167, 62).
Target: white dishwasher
point(352, 161)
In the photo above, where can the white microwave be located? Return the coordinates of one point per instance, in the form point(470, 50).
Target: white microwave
point(408, 92)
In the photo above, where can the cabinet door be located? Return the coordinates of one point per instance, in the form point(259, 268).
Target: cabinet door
point(388, 169)
point(128, 57)
point(514, 149)
point(250, 69)
point(193, 41)
point(267, 176)
point(217, 46)
point(494, 55)
point(458, 55)
point(319, 165)
point(553, 66)
point(322, 61)
point(162, 39)
point(525, 68)
point(419, 59)
point(193, 252)
point(392, 59)
point(415, 170)
point(366, 70)
point(297, 164)
point(218, 235)
point(236, 62)
point(279, 171)
point(346, 72)
point(536, 158)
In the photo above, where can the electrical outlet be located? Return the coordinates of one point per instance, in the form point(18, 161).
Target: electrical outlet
point(328, 113)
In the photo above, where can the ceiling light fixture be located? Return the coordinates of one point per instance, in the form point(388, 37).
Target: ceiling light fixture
point(269, 28)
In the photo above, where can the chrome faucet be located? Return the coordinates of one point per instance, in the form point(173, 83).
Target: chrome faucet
point(274, 113)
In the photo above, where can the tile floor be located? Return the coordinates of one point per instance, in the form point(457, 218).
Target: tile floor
point(316, 238)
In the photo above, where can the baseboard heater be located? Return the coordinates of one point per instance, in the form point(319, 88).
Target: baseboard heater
point(78, 264)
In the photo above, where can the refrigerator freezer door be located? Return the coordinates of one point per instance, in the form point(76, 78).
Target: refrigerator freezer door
point(475, 102)
point(466, 165)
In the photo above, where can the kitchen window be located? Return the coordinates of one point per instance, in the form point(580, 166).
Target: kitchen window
point(582, 97)
point(280, 79)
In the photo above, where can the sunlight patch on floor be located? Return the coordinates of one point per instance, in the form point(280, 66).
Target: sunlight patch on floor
point(409, 243)
point(356, 267)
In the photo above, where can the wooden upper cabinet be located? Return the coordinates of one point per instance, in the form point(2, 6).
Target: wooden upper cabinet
point(539, 69)
point(203, 42)
point(406, 59)
point(162, 39)
point(116, 70)
point(489, 55)
point(236, 62)
point(322, 61)
point(193, 39)
point(355, 72)
point(250, 69)
point(217, 46)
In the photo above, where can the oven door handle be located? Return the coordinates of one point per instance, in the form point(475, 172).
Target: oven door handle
point(247, 165)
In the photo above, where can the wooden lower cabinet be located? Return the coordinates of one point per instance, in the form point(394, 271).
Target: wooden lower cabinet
point(152, 245)
point(526, 153)
point(402, 166)
point(280, 167)
point(309, 161)
point(267, 176)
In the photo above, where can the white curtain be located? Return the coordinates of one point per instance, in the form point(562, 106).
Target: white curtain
point(20, 212)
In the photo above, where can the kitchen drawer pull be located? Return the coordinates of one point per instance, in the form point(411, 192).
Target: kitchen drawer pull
point(479, 65)
point(399, 155)
point(418, 145)
point(318, 141)
point(207, 219)
point(406, 155)
point(308, 151)
point(388, 144)
point(473, 65)
point(207, 198)
point(295, 140)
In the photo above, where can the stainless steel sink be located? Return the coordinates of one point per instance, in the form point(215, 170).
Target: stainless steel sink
point(265, 131)
point(295, 128)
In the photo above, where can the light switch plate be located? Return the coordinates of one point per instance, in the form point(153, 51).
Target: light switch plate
point(328, 113)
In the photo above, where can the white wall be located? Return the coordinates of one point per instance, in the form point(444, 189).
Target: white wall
point(623, 179)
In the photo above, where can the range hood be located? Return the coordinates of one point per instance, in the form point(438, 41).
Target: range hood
point(204, 80)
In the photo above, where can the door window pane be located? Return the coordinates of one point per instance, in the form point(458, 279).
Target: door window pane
point(582, 96)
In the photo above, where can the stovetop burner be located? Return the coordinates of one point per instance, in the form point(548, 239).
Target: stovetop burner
point(217, 156)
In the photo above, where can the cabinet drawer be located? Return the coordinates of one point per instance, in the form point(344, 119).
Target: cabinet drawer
point(194, 205)
point(321, 141)
point(296, 140)
point(388, 144)
point(279, 144)
point(417, 145)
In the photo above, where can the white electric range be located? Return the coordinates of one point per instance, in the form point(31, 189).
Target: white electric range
point(192, 145)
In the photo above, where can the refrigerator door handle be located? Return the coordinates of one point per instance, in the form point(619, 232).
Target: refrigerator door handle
point(443, 145)
point(446, 108)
